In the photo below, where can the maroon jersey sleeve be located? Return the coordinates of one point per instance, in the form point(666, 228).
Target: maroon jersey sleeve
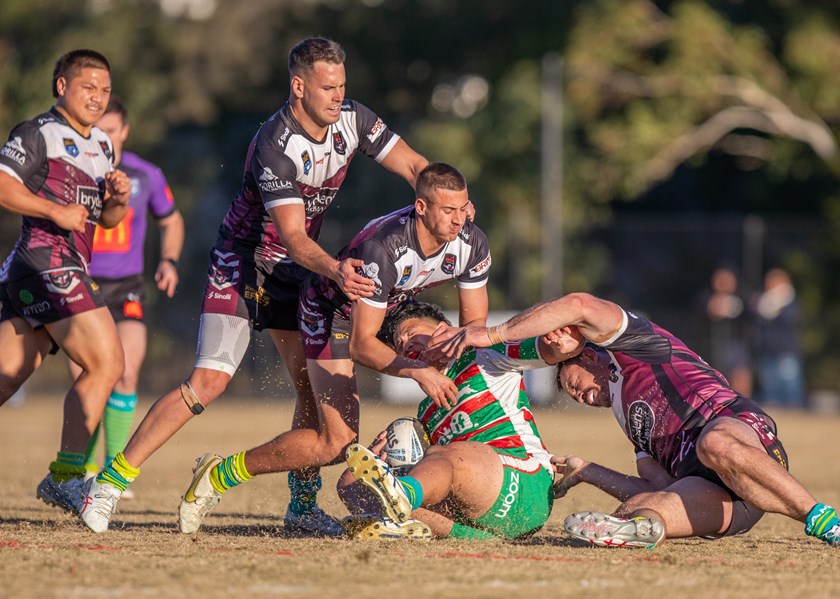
point(24, 156)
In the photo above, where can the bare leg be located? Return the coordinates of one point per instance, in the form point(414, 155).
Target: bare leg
point(169, 413)
point(23, 351)
point(334, 386)
point(733, 450)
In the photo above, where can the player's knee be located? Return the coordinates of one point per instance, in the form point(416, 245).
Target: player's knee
point(333, 444)
point(716, 448)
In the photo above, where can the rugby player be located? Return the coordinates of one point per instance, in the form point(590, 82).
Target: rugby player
point(57, 171)
point(421, 246)
point(487, 473)
point(117, 267)
point(710, 461)
point(269, 238)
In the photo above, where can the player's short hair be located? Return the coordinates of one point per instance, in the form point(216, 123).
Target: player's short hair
point(406, 310)
point(576, 359)
point(439, 175)
point(117, 106)
point(69, 64)
point(309, 51)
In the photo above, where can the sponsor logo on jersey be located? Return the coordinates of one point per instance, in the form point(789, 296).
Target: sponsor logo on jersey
point(105, 149)
point(400, 251)
point(376, 130)
point(307, 162)
point(371, 271)
point(464, 234)
point(481, 266)
point(26, 296)
point(14, 150)
point(89, 198)
point(406, 273)
point(640, 422)
point(339, 143)
point(510, 496)
point(38, 308)
point(258, 294)
point(62, 282)
point(448, 266)
point(71, 147)
point(136, 187)
point(284, 137)
point(271, 183)
point(224, 272)
point(316, 204)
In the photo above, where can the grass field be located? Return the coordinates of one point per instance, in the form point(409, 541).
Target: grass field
point(242, 550)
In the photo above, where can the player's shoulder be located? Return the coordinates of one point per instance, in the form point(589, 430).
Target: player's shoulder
point(471, 234)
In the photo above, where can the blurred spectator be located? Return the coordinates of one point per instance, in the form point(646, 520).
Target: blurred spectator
point(728, 323)
point(778, 348)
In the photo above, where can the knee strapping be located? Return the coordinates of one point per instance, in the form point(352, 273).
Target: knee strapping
point(190, 398)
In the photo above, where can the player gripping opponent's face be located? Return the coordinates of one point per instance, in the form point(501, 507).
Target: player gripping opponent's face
point(85, 95)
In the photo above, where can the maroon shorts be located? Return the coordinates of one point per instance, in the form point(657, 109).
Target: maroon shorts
point(325, 332)
point(267, 296)
point(47, 297)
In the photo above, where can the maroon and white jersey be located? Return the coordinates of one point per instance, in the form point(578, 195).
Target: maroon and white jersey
point(286, 166)
point(59, 164)
point(394, 261)
point(662, 392)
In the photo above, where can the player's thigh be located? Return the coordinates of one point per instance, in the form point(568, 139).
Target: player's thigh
point(691, 506)
point(24, 348)
point(727, 430)
point(132, 334)
point(290, 349)
point(477, 474)
point(337, 396)
point(89, 339)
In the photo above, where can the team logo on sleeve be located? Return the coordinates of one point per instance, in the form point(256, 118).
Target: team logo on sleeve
point(71, 147)
point(448, 266)
point(339, 144)
point(481, 267)
point(307, 162)
point(13, 150)
point(376, 130)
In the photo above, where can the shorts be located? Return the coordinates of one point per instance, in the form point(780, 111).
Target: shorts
point(524, 502)
point(325, 332)
point(49, 296)
point(744, 515)
point(125, 297)
point(266, 296)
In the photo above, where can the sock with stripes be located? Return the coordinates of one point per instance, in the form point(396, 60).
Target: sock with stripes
point(822, 523)
point(119, 415)
point(413, 490)
point(118, 473)
point(229, 473)
point(304, 494)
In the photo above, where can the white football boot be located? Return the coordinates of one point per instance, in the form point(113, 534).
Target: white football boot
point(374, 473)
point(609, 531)
point(200, 496)
point(100, 503)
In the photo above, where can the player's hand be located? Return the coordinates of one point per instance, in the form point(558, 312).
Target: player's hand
point(440, 388)
point(448, 343)
point(354, 285)
point(117, 187)
point(378, 445)
point(566, 340)
point(166, 277)
point(568, 467)
point(71, 217)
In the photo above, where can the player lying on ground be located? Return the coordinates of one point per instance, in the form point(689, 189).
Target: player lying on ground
point(487, 474)
point(720, 464)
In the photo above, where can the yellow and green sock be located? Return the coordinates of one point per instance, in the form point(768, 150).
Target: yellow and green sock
point(229, 473)
point(413, 490)
point(67, 465)
point(118, 473)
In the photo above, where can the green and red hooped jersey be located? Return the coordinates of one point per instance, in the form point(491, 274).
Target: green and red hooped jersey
point(493, 407)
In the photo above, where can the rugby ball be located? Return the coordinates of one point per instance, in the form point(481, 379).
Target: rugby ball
point(406, 442)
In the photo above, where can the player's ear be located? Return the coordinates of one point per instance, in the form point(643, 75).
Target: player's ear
point(297, 84)
point(420, 206)
point(61, 85)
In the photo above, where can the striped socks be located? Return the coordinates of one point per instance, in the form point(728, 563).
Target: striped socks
point(229, 473)
point(118, 473)
point(822, 523)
